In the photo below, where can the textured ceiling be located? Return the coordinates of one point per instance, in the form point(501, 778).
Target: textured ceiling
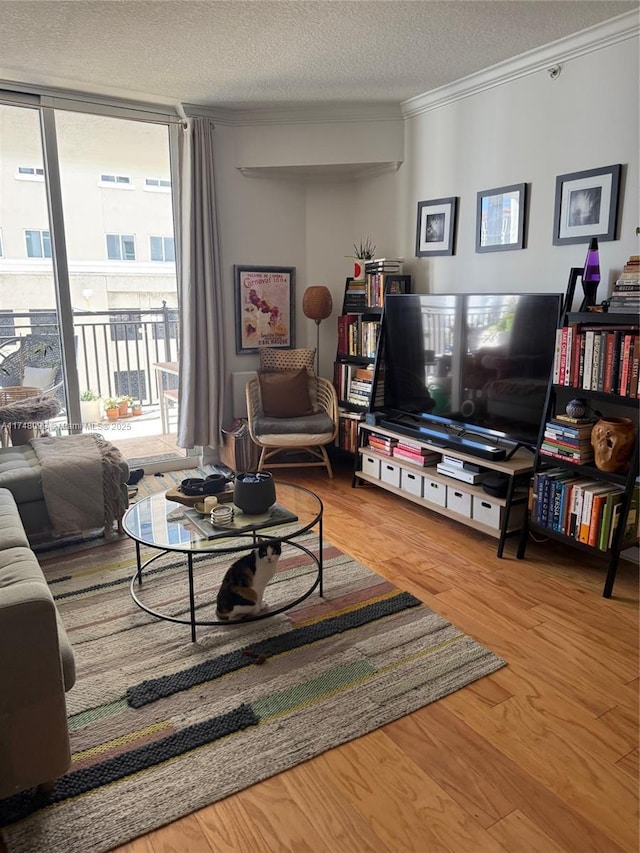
point(248, 55)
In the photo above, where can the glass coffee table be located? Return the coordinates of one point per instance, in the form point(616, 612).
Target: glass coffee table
point(167, 526)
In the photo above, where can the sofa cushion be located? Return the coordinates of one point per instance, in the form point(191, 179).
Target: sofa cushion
point(12, 533)
point(20, 473)
point(21, 578)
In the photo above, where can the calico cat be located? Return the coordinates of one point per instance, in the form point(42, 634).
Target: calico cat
point(245, 580)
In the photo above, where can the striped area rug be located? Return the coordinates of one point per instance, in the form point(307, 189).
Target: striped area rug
point(161, 726)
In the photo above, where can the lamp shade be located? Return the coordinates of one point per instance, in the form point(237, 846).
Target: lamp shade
point(317, 303)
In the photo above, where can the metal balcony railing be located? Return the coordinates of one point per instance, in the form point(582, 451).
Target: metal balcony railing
point(115, 350)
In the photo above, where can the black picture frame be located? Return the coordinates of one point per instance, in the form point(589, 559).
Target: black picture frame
point(500, 218)
point(436, 227)
point(586, 205)
point(265, 307)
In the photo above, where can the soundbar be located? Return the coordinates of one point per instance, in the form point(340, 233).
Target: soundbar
point(453, 442)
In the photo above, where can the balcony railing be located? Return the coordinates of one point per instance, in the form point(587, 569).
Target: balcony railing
point(115, 350)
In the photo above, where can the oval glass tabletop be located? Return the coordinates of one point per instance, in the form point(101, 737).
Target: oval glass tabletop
point(165, 524)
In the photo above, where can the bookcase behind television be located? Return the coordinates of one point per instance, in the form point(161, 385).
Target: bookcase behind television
point(358, 372)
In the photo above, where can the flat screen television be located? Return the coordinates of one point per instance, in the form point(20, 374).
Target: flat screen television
point(470, 368)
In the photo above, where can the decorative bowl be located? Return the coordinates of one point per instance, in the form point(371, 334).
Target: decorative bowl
point(254, 493)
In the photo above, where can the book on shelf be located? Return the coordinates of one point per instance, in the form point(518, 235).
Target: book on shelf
point(577, 457)
point(422, 459)
point(611, 500)
point(598, 358)
point(587, 516)
point(563, 418)
point(382, 444)
point(392, 265)
point(630, 285)
point(570, 430)
point(631, 531)
point(577, 500)
point(624, 303)
point(345, 321)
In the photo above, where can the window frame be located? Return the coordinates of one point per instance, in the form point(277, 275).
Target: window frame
point(165, 242)
point(44, 243)
point(121, 238)
point(33, 173)
point(119, 182)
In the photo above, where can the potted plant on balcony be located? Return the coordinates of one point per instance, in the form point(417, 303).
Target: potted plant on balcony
point(111, 408)
point(136, 407)
point(89, 407)
point(123, 404)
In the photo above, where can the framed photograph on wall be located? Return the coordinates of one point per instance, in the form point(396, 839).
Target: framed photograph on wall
point(435, 233)
point(265, 307)
point(586, 205)
point(500, 218)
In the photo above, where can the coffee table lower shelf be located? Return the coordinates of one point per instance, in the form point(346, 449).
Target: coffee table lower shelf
point(136, 582)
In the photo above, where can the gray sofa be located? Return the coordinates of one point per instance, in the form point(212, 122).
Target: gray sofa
point(20, 472)
point(36, 665)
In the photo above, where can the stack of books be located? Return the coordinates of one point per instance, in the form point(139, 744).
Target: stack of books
point(355, 296)
point(414, 453)
point(625, 298)
point(383, 444)
point(383, 265)
point(348, 429)
point(568, 439)
point(360, 386)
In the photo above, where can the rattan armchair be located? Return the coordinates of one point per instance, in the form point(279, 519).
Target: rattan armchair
point(295, 442)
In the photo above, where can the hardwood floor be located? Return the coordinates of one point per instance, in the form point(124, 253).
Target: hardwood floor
point(540, 757)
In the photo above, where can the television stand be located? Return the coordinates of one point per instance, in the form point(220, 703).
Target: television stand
point(446, 440)
point(458, 499)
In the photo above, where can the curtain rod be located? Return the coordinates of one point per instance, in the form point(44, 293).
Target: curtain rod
point(81, 104)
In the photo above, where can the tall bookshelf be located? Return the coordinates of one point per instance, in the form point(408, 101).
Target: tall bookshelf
point(573, 501)
point(358, 372)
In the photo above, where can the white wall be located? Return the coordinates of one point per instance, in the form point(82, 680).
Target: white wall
point(530, 129)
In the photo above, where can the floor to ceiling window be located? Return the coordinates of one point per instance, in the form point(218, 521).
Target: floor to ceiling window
point(117, 286)
point(30, 350)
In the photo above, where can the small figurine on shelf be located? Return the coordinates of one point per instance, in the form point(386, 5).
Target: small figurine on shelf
point(612, 440)
point(576, 408)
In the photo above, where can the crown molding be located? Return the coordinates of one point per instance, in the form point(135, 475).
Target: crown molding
point(563, 50)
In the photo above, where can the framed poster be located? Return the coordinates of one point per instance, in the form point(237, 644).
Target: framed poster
point(500, 218)
point(265, 308)
point(586, 205)
point(436, 227)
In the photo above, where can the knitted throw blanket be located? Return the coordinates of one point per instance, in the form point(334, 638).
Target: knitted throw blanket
point(80, 482)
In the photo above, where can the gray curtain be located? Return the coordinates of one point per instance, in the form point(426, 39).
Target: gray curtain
point(200, 282)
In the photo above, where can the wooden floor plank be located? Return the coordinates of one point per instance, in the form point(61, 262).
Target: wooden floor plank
point(182, 836)
point(409, 811)
point(518, 834)
point(497, 784)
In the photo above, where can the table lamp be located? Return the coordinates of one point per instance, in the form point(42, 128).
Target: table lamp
point(317, 305)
